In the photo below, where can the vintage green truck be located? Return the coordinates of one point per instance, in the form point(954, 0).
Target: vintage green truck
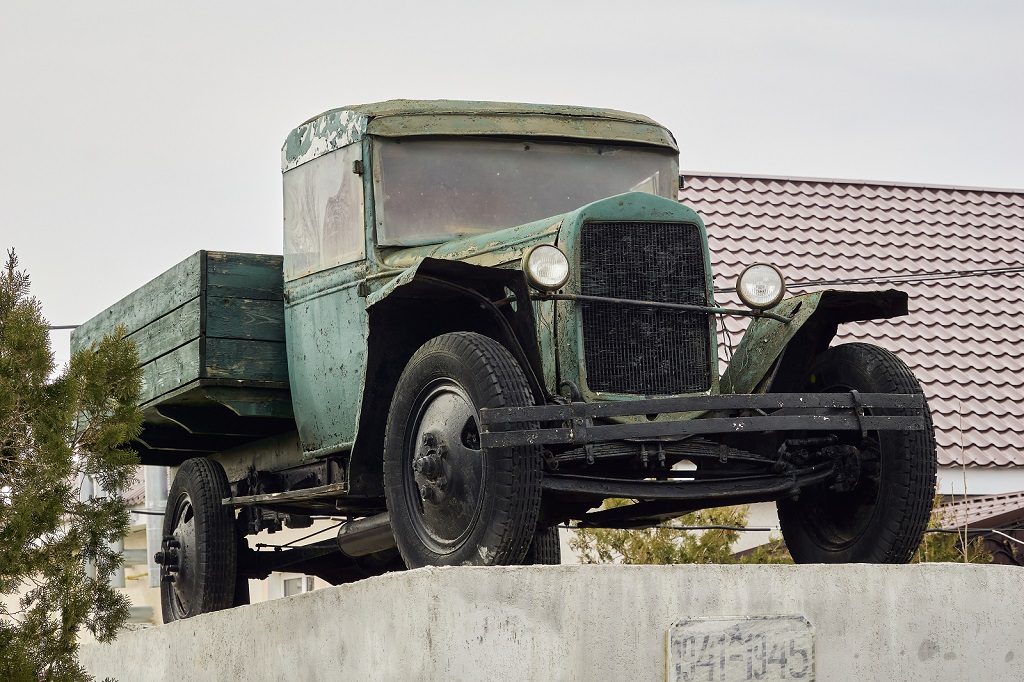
point(489, 318)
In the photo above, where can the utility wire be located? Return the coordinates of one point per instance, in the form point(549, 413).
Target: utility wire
point(907, 278)
point(915, 276)
point(305, 537)
point(765, 529)
point(1005, 535)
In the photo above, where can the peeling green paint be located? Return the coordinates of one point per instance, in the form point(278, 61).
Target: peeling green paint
point(400, 118)
point(401, 279)
point(492, 248)
point(321, 135)
point(327, 328)
point(764, 341)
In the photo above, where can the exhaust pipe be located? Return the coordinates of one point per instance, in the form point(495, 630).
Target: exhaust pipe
point(366, 536)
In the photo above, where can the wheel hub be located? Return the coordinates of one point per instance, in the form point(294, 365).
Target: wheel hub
point(168, 558)
point(430, 468)
point(176, 555)
point(447, 471)
point(848, 466)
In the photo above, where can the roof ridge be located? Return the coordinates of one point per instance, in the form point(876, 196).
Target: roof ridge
point(847, 181)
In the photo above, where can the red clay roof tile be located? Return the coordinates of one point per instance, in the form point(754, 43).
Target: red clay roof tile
point(963, 337)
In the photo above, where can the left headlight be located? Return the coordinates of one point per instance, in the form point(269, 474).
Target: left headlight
point(546, 267)
point(761, 286)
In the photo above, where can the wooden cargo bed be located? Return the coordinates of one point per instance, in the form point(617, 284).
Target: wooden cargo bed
point(210, 337)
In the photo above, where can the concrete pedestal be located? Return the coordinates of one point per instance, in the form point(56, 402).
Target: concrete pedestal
point(923, 622)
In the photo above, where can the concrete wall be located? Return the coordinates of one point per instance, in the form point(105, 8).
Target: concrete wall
point(923, 622)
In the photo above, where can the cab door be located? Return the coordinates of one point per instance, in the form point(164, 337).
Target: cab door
point(325, 317)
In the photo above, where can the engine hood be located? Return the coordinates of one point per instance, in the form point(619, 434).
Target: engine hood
point(503, 248)
point(491, 249)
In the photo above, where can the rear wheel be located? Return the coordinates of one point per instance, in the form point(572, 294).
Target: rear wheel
point(882, 519)
point(451, 502)
point(199, 555)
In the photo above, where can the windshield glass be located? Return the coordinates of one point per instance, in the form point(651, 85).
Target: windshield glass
point(431, 190)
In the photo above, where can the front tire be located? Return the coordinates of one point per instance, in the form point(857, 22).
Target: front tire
point(546, 548)
point(883, 518)
point(451, 502)
point(199, 557)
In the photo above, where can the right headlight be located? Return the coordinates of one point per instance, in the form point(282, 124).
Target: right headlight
point(761, 286)
point(546, 267)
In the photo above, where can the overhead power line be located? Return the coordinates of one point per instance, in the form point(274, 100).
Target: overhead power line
point(905, 278)
point(765, 529)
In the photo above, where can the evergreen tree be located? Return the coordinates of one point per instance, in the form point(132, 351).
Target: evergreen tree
point(54, 431)
point(670, 544)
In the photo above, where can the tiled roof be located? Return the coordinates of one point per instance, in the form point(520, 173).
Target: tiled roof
point(997, 511)
point(963, 337)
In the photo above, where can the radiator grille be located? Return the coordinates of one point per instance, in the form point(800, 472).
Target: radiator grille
point(635, 349)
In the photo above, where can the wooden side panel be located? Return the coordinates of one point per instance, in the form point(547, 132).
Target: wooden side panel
point(244, 275)
point(215, 315)
point(246, 360)
point(245, 318)
point(165, 293)
point(170, 371)
point(168, 333)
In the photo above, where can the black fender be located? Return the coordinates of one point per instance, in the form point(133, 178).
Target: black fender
point(432, 298)
point(777, 356)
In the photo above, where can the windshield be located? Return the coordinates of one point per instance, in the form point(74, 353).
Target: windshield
point(431, 190)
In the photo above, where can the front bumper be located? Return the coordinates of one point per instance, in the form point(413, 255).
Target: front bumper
point(574, 423)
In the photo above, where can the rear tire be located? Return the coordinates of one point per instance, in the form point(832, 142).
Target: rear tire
point(451, 502)
point(883, 518)
point(200, 551)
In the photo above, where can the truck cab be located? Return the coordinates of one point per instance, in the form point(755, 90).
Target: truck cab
point(495, 316)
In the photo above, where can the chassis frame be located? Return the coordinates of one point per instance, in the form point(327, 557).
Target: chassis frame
point(564, 430)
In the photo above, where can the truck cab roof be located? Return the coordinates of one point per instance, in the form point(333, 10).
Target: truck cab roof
point(412, 118)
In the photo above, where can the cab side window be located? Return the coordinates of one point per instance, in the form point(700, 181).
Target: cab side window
point(323, 213)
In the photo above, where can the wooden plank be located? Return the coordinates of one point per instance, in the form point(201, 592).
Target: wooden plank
point(245, 360)
point(170, 371)
point(244, 318)
point(254, 402)
point(245, 275)
point(168, 333)
point(164, 293)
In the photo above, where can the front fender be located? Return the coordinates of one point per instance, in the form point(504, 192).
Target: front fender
point(815, 318)
point(431, 298)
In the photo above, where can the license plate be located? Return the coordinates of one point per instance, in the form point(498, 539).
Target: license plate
point(742, 648)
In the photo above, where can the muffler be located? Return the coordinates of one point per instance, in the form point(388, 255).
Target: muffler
point(366, 536)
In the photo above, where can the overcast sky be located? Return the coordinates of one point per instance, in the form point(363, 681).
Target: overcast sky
point(136, 133)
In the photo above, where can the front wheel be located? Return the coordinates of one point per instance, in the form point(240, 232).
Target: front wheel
point(545, 549)
point(452, 502)
point(882, 519)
